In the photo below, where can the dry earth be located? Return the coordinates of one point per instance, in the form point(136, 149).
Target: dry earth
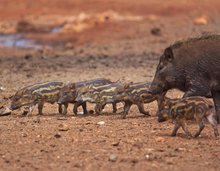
point(116, 48)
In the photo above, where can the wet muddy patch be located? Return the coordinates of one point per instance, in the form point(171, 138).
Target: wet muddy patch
point(17, 41)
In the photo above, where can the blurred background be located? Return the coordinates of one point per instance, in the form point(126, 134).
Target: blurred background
point(75, 40)
point(70, 23)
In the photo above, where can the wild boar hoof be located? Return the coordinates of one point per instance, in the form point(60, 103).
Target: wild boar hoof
point(147, 114)
point(196, 135)
point(124, 117)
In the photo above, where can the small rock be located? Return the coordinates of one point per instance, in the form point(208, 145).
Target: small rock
point(24, 135)
point(160, 139)
point(63, 127)
point(39, 136)
point(115, 143)
point(80, 113)
point(147, 157)
point(87, 123)
point(156, 31)
point(202, 20)
point(113, 158)
point(2, 88)
point(180, 149)
point(57, 135)
point(100, 123)
point(4, 111)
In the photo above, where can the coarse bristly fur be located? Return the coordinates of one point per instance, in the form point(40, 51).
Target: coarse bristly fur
point(203, 37)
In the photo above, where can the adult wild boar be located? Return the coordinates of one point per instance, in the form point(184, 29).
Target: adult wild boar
point(192, 66)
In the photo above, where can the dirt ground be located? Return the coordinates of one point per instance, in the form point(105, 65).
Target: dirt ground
point(125, 45)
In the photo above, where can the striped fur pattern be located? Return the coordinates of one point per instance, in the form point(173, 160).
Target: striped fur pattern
point(135, 93)
point(190, 108)
point(40, 93)
point(101, 95)
point(69, 93)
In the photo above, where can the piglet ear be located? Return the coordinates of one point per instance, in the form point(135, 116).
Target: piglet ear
point(168, 53)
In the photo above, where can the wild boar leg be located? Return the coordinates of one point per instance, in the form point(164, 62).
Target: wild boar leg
point(40, 108)
point(185, 129)
point(114, 106)
point(141, 109)
point(64, 109)
point(213, 122)
point(201, 127)
point(199, 117)
point(175, 129)
point(75, 108)
point(30, 110)
point(216, 98)
point(127, 107)
point(99, 107)
point(60, 108)
point(84, 108)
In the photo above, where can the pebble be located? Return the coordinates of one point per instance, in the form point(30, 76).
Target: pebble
point(147, 156)
point(156, 31)
point(100, 123)
point(63, 127)
point(115, 143)
point(57, 135)
point(113, 158)
point(80, 113)
point(180, 149)
point(39, 136)
point(4, 111)
point(24, 135)
point(2, 88)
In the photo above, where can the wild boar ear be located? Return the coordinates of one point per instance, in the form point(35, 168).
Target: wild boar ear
point(168, 53)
